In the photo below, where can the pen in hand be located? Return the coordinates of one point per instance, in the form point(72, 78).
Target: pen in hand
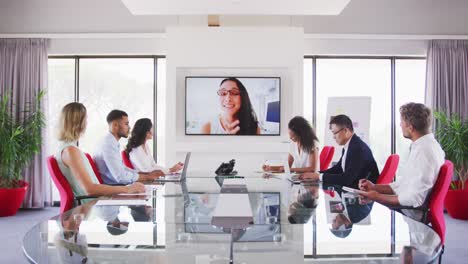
point(364, 180)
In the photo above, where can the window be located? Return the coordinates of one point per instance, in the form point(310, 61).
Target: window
point(372, 77)
point(61, 91)
point(308, 78)
point(106, 84)
point(410, 78)
point(356, 77)
point(102, 84)
point(161, 108)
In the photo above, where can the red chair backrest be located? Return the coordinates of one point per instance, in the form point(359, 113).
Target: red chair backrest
point(436, 202)
point(94, 167)
point(126, 160)
point(67, 199)
point(389, 170)
point(326, 157)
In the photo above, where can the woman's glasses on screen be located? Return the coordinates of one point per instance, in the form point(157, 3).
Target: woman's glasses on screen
point(233, 92)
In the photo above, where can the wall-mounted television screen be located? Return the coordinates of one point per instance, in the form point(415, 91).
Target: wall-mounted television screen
point(232, 105)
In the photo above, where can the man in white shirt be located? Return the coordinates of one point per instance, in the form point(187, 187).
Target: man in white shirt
point(415, 181)
point(109, 159)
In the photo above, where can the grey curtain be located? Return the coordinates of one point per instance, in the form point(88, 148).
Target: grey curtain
point(447, 76)
point(23, 73)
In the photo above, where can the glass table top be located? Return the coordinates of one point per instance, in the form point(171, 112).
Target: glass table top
point(201, 220)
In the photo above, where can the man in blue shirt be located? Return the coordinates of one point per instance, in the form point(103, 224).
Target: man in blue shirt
point(108, 156)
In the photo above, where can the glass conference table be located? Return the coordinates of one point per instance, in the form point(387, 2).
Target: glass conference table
point(187, 223)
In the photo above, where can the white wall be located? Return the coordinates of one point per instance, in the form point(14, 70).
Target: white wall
point(365, 47)
point(157, 44)
point(98, 45)
point(226, 51)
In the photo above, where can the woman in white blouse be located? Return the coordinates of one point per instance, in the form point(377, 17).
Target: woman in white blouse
point(138, 151)
point(304, 151)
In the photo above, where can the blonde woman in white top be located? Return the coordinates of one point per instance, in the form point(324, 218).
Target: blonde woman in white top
point(138, 151)
point(72, 161)
point(304, 152)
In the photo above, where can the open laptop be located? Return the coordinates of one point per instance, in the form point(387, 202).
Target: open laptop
point(176, 177)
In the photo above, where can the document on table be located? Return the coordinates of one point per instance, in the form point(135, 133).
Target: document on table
point(121, 202)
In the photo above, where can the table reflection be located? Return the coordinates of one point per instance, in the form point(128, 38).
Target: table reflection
point(180, 228)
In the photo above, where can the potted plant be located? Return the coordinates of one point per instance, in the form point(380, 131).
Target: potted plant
point(20, 140)
point(452, 134)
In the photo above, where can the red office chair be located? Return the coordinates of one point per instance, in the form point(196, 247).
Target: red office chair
point(436, 203)
point(389, 170)
point(126, 160)
point(433, 207)
point(95, 168)
point(326, 157)
point(67, 198)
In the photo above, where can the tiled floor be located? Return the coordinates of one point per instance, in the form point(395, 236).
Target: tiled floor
point(12, 230)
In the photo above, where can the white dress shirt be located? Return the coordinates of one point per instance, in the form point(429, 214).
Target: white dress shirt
point(343, 160)
point(416, 179)
point(144, 161)
point(110, 164)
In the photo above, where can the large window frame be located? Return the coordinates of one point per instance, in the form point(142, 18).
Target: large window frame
point(393, 127)
point(155, 58)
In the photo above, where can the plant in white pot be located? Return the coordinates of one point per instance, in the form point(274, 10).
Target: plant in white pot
point(19, 141)
point(452, 134)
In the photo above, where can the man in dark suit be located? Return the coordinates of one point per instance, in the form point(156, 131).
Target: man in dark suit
point(356, 160)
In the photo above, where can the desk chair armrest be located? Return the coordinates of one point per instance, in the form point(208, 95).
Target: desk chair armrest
point(399, 207)
point(82, 197)
point(424, 209)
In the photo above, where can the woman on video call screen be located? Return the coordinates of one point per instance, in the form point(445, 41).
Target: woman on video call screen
point(232, 106)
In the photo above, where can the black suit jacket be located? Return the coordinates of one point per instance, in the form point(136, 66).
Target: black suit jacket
point(359, 163)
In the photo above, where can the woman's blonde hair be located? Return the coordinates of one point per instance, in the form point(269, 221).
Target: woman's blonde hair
point(72, 122)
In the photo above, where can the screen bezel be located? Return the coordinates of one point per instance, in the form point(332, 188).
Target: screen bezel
point(245, 77)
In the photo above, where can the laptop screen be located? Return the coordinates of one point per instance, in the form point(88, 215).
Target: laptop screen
point(184, 170)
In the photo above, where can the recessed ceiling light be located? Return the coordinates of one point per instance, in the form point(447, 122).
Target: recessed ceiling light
point(235, 7)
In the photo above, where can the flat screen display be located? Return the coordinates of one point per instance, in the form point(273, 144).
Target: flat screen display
point(232, 105)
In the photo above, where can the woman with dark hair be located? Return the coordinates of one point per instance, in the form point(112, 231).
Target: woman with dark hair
point(237, 116)
point(138, 151)
point(304, 151)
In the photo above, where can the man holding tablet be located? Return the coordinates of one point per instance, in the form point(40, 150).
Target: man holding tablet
point(416, 179)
